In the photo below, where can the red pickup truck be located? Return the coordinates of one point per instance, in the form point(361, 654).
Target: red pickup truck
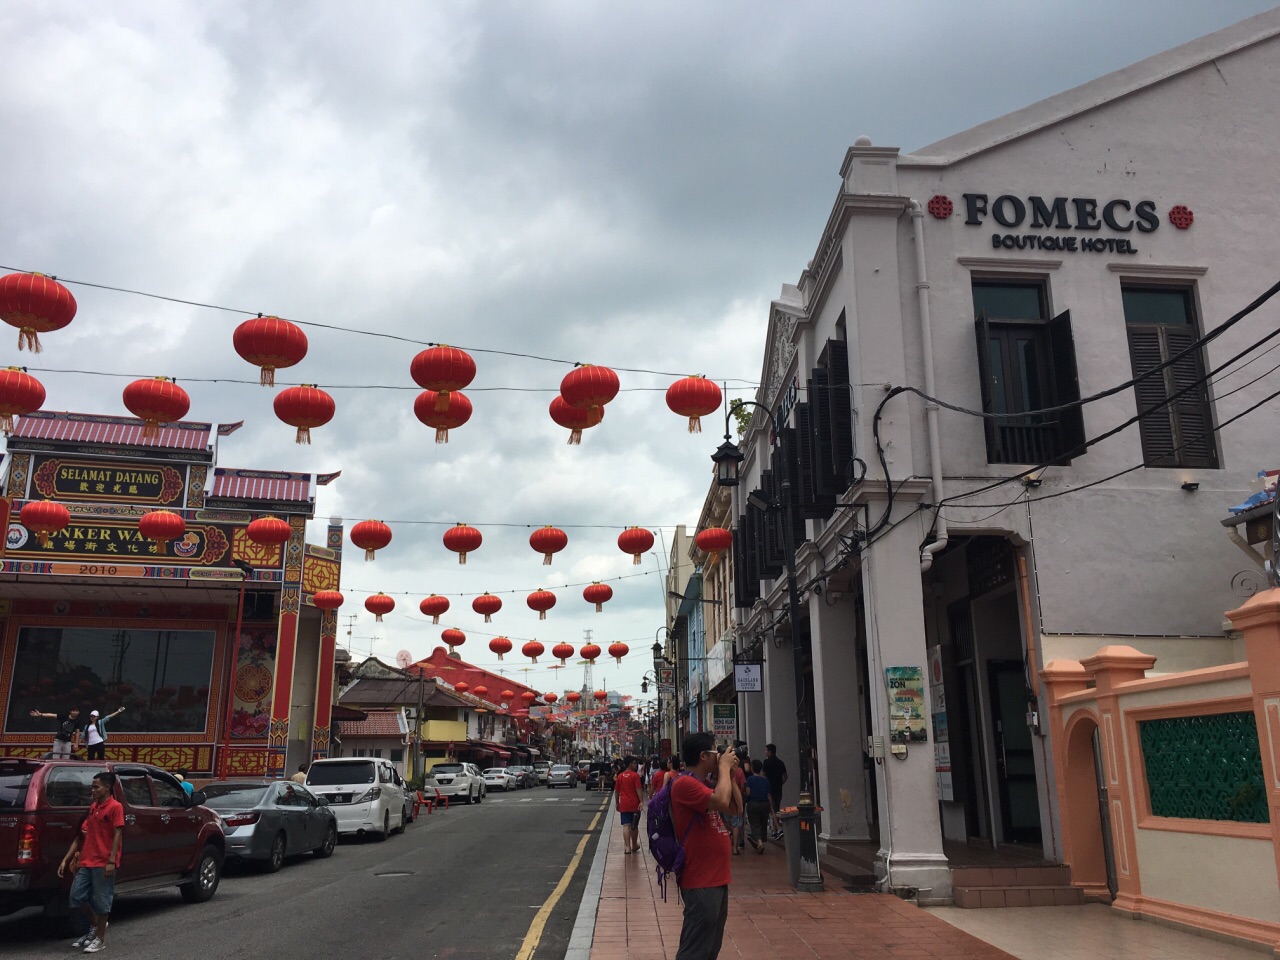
point(169, 838)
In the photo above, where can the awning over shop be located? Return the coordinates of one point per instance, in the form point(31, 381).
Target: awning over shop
point(497, 749)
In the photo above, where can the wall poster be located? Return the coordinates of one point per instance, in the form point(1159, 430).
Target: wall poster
point(907, 723)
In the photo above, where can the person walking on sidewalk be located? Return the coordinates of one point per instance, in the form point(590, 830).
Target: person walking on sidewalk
point(759, 805)
point(630, 799)
point(695, 814)
point(776, 772)
point(95, 855)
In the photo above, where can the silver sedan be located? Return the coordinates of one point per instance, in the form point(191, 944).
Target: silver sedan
point(562, 775)
point(268, 820)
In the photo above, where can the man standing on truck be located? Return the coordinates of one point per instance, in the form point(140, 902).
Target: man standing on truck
point(95, 854)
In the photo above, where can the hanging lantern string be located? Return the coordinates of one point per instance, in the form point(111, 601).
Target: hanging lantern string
point(575, 661)
point(340, 329)
point(472, 593)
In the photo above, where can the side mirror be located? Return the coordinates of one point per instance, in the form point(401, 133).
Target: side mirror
point(322, 801)
point(196, 799)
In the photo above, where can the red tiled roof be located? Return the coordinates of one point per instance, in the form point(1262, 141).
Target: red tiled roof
point(451, 670)
point(110, 431)
point(229, 484)
point(379, 723)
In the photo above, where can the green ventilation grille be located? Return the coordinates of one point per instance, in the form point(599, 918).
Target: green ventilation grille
point(1205, 768)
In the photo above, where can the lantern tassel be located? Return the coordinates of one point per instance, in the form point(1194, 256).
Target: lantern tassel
point(377, 618)
point(43, 538)
point(150, 430)
point(160, 548)
point(6, 423)
point(488, 619)
point(28, 336)
point(499, 656)
point(369, 554)
point(267, 377)
point(575, 437)
point(599, 607)
point(635, 559)
point(462, 557)
point(442, 434)
point(442, 401)
point(695, 424)
point(304, 435)
point(546, 559)
point(435, 619)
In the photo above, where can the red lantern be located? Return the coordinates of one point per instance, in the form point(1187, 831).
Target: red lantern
point(371, 536)
point(269, 531)
point(34, 304)
point(589, 652)
point(379, 604)
point(161, 526)
point(156, 401)
point(618, 650)
point(328, 600)
point(455, 412)
point(714, 539)
point(434, 606)
point(550, 696)
point(542, 601)
point(462, 686)
point(462, 540)
point(573, 419)
point(270, 343)
point(442, 370)
point(508, 695)
point(304, 407)
point(547, 541)
point(533, 649)
point(453, 637)
point(601, 695)
point(500, 645)
point(44, 517)
point(589, 387)
point(528, 696)
point(598, 593)
point(562, 651)
point(693, 397)
point(481, 691)
point(573, 696)
point(20, 394)
point(635, 541)
point(487, 604)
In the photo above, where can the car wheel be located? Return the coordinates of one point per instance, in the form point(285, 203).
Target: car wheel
point(386, 826)
point(205, 878)
point(408, 812)
point(330, 841)
point(404, 821)
point(275, 859)
point(480, 798)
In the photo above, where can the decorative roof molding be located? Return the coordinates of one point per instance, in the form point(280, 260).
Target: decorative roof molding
point(1010, 265)
point(1156, 270)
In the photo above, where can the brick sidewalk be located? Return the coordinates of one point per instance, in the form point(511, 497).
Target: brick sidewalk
point(768, 920)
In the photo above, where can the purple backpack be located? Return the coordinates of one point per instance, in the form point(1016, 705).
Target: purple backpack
point(666, 849)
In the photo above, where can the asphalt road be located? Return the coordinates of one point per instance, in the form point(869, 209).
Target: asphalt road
point(462, 883)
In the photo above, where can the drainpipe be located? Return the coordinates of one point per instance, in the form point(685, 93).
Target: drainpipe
point(931, 408)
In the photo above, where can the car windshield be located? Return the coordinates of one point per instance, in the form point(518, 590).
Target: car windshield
point(495, 772)
point(14, 781)
point(562, 769)
point(232, 796)
point(333, 774)
point(446, 768)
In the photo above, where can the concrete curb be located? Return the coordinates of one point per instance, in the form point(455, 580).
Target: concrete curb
point(584, 927)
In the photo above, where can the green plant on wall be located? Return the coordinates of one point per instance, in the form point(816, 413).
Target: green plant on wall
point(741, 415)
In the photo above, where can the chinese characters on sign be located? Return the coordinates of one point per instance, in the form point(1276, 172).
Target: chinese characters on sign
point(95, 480)
point(724, 722)
point(748, 677)
point(906, 705)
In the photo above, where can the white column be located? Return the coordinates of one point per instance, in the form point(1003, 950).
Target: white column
point(780, 714)
point(841, 739)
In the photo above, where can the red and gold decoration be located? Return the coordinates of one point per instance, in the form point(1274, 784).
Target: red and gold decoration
point(44, 518)
point(528, 696)
point(269, 531)
point(328, 600)
point(562, 652)
point(156, 400)
point(590, 652)
point(601, 696)
point(35, 304)
point(573, 419)
point(304, 407)
point(542, 601)
point(445, 415)
point(161, 526)
point(378, 605)
point(695, 398)
point(481, 691)
point(20, 394)
point(618, 650)
point(507, 696)
point(462, 539)
point(371, 536)
point(500, 645)
point(550, 696)
point(453, 637)
point(270, 343)
point(533, 650)
point(462, 686)
point(548, 541)
point(441, 370)
point(589, 387)
point(434, 607)
point(573, 696)
point(714, 539)
point(597, 593)
point(636, 541)
point(486, 604)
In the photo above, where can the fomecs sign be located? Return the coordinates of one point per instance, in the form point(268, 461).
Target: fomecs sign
point(1076, 214)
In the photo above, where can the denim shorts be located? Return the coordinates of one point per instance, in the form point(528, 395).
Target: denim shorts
point(92, 886)
point(630, 818)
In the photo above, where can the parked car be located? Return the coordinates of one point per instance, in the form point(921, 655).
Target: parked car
point(583, 767)
point(562, 775)
point(500, 778)
point(458, 780)
point(266, 821)
point(525, 776)
point(600, 775)
point(543, 769)
point(169, 838)
point(366, 794)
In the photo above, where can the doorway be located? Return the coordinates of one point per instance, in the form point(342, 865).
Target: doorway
point(1014, 754)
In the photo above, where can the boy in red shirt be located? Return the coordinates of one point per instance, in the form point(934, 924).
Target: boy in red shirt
point(96, 850)
point(630, 797)
point(695, 812)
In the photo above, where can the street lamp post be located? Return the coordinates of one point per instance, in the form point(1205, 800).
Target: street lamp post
point(727, 459)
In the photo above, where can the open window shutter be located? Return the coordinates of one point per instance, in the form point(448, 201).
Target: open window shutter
point(789, 460)
point(843, 446)
point(1066, 381)
point(1155, 426)
point(819, 392)
point(986, 381)
point(813, 503)
point(746, 587)
point(771, 529)
point(1193, 423)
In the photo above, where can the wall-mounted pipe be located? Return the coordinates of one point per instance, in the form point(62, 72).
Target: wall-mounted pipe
point(931, 408)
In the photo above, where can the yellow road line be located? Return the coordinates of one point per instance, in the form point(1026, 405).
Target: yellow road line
point(534, 936)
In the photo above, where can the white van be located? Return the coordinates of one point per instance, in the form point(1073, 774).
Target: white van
point(366, 794)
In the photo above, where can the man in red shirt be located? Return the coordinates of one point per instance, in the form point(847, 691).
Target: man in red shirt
point(96, 850)
point(630, 797)
point(695, 812)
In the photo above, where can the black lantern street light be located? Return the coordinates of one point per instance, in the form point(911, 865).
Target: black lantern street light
point(728, 458)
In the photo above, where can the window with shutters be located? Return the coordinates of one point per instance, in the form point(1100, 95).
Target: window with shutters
point(1027, 364)
point(1176, 420)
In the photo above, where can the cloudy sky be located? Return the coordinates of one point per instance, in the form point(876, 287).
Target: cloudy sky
point(626, 184)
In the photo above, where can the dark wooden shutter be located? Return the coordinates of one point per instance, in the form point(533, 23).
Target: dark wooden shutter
point(1066, 382)
point(826, 479)
point(986, 381)
point(1192, 419)
point(1155, 425)
point(787, 462)
point(843, 445)
point(746, 585)
point(813, 503)
point(770, 528)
